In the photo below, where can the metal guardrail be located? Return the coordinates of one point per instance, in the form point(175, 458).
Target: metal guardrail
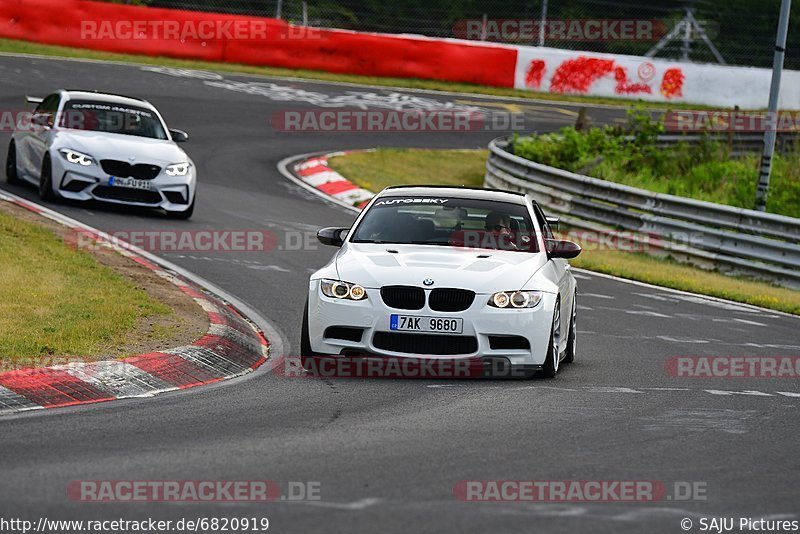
point(740, 143)
point(730, 239)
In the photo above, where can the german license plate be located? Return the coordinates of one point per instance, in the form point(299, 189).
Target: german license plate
point(411, 323)
point(133, 183)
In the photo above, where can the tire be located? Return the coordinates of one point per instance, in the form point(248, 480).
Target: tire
point(182, 215)
point(572, 338)
point(46, 180)
point(550, 368)
point(307, 356)
point(12, 177)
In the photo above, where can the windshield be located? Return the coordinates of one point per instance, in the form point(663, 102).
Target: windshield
point(448, 221)
point(112, 118)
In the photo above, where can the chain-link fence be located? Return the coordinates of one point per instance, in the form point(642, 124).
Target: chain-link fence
point(735, 32)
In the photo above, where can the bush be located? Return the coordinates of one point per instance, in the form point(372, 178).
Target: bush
point(629, 155)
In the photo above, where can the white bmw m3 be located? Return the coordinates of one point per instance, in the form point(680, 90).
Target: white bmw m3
point(446, 274)
point(83, 145)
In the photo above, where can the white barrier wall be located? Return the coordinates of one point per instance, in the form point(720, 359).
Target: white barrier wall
point(565, 71)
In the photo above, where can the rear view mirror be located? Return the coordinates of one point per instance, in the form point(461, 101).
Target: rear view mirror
point(451, 213)
point(179, 136)
point(332, 236)
point(553, 222)
point(557, 248)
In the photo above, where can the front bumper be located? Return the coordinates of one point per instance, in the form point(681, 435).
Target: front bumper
point(171, 193)
point(489, 331)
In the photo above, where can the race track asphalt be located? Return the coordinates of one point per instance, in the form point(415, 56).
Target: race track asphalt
point(388, 453)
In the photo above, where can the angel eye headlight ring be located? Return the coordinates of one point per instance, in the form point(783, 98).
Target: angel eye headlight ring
point(341, 290)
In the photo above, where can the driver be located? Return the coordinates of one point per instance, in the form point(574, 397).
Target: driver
point(498, 223)
point(499, 226)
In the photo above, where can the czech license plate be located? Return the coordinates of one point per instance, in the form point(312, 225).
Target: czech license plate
point(411, 323)
point(133, 183)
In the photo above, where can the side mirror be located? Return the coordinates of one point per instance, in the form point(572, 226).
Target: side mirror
point(179, 136)
point(41, 119)
point(332, 236)
point(557, 248)
point(553, 222)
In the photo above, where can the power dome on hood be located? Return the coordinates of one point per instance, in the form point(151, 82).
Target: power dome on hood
point(372, 266)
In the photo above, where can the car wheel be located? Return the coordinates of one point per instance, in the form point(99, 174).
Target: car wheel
point(46, 180)
point(11, 165)
point(182, 214)
point(307, 356)
point(551, 362)
point(572, 340)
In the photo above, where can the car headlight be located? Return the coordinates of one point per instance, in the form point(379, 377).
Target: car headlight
point(342, 290)
point(79, 158)
point(178, 169)
point(515, 299)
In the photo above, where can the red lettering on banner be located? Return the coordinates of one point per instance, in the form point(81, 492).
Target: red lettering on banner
point(672, 84)
point(579, 74)
point(624, 87)
point(533, 77)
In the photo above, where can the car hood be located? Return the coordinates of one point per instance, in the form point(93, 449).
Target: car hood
point(483, 271)
point(102, 145)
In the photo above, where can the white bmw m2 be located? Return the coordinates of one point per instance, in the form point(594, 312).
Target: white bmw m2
point(446, 273)
point(82, 145)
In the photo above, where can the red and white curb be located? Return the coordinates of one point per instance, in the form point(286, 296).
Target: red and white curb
point(315, 173)
point(232, 346)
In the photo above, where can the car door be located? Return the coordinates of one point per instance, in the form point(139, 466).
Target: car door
point(22, 141)
point(36, 142)
point(561, 269)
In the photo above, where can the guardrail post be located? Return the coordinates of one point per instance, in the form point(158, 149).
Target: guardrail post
point(582, 121)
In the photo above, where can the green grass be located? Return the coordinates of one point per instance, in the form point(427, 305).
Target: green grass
point(58, 301)
point(25, 47)
point(393, 166)
point(729, 181)
point(390, 166)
